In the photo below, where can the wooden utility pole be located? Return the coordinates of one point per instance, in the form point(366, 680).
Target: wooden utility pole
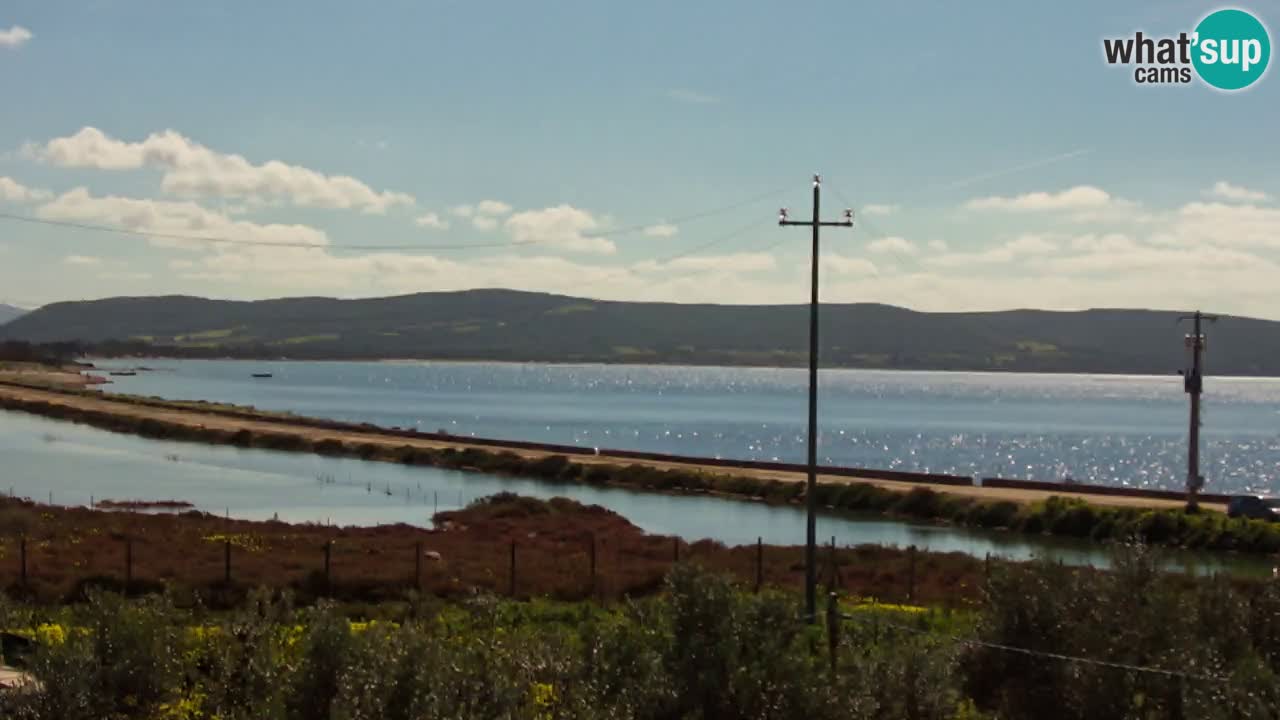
point(1193, 384)
point(811, 495)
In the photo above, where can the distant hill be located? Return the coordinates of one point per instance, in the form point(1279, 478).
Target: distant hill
point(9, 312)
point(511, 325)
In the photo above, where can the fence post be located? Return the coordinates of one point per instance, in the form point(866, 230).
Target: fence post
point(226, 562)
point(911, 574)
point(833, 630)
point(1176, 709)
point(24, 560)
point(417, 566)
point(513, 568)
point(591, 550)
point(835, 567)
point(128, 564)
point(328, 578)
point(759, 563)
point(986, 568)
point(675, 554)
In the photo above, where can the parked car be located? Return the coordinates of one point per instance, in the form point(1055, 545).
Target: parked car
point(1252, 506)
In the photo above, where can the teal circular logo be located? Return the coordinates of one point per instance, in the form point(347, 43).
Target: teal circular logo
point(1231, 49)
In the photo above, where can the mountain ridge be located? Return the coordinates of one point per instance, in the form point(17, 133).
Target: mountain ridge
point(9, 312)
point(512, 325)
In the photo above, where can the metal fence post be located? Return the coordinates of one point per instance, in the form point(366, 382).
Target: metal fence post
point(833, 630)
point(759, 563)
point(417, 566)
point(513, 568)
point(911, 574)
point(128, 564)
point(226, 562)
point(328, 577)
point(591, 550)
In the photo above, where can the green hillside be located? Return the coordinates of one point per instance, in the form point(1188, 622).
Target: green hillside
point(510, 325)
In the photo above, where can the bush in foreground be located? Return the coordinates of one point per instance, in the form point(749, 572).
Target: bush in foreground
point(703, 649)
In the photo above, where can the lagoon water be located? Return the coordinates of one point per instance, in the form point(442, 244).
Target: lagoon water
point(68, 464)
point(1122, 430)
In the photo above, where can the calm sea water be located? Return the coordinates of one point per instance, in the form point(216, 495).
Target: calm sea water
point(1122, 430)
point(68, 464)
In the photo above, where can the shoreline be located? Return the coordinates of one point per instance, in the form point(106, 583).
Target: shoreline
point(1116, 374)
point(1099, 518)
point(204, 415)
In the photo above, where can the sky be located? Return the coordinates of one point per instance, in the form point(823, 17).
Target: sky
point(631, 151)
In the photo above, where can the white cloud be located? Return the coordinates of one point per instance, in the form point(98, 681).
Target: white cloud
point(563, 226)
point(1031, 245)
point(1226, 191)
point(662, 230)
point(1019, 248)
point(14, 191)
point(1076, 198)
point(192, 170)
point(692, 97)
point(1150, 262)
point(893, 244)
point(1108, 243)
point(732, 263)
point(1227, 225)
point(938, 245)
point(845, 265)
point(484, 223)
point(493, 208)
point(125, 275)
point(879, 209)
point(15, 37)
point(81, 260)
point(178, 218)
point(431, 220)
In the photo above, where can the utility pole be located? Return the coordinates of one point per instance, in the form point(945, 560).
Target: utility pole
point(811, 487)
point(1193, 384)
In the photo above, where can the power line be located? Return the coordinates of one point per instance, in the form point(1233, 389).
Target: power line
point(974, 642)
point(693, 216)
point(243, 241)
point(223, 240)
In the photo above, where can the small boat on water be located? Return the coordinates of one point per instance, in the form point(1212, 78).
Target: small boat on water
point(262, 375)
point(123, 373)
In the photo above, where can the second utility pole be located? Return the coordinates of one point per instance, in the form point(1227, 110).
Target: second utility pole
point(811, 487)
point(1193, 383)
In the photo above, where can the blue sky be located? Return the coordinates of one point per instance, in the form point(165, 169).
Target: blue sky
point(995, 159)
